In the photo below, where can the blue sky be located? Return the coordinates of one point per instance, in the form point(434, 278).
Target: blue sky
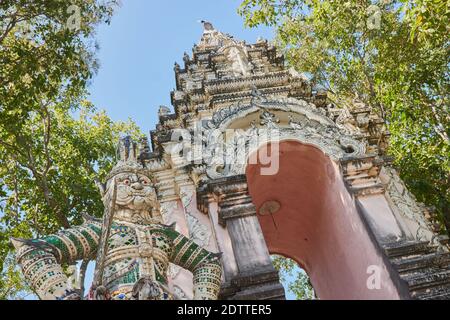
point(139, 48)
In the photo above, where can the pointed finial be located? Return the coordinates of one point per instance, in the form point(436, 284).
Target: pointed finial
point(163, 111)
point(185, 57)
point(126, 149)
point(129, 159)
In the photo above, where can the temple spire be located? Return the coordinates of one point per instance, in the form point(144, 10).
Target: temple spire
point(212, 37)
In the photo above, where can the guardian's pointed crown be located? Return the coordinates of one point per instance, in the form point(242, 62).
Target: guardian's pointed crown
point(129, 156)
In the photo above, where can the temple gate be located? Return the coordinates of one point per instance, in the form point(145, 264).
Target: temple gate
point(255, 161)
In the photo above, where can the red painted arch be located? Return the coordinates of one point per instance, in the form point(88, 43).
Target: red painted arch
point(317, 224)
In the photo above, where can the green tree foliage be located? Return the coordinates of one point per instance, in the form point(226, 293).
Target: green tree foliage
point(54, 145)
point(294, 279)
point(45, 54)
point(394, 55)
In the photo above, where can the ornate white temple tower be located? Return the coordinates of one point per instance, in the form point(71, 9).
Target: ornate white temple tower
point(255, 162)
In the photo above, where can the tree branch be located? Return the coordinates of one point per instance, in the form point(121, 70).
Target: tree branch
point(46, 119)
point(12, 23)
point(43, 184)
point(10, 146)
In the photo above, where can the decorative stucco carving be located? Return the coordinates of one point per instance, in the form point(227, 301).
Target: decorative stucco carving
point(198, 232)
point(167, 209)
point(181, 295)
point(407, 205)
point(157, 165)
point(238, 56)
point(186, 195)
point(346, 122)
point(269, 120)
point(198, 174)
point(307, 124)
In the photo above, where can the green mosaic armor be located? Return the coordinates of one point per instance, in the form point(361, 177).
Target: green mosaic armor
point(134, 251)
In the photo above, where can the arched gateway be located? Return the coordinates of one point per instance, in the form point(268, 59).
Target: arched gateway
point(255, 162)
